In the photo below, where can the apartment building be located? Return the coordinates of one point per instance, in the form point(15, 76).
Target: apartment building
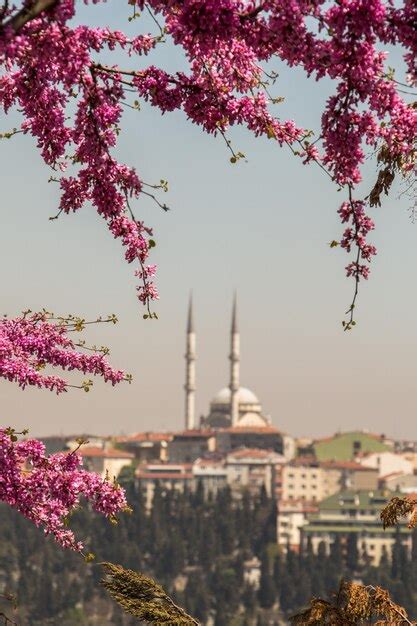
point(292, 515)
point(251, 469)
point(310, 480)
point(354, 513)
point(169, 476)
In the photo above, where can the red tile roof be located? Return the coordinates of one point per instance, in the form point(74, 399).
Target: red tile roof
point(150, 436)
point(110, 453)
point(195, 434)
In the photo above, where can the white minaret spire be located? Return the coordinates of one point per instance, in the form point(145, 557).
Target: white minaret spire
point(190, 369)
point(234, 366)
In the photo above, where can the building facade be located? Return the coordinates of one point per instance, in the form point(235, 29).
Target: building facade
point(311, 480)
point(386, 463)
point(189, 445)
point(292, 515)
point(251, 470)
point(106, 461)
point(168, 476)
point(356, 514)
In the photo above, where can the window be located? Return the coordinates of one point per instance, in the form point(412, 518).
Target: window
point(371, 547)
point(303, 486)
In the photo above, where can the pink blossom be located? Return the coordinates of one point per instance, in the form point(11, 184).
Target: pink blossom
point(47, 489)
point(50, 69)
point(30, 343)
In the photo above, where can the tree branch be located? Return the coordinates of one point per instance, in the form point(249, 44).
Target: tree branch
point(28, 13)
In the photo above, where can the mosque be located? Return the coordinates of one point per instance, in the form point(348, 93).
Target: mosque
point(233, 406)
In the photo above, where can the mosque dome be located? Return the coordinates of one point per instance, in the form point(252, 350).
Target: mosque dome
point(249, 409)
point(252, 420)
point(244, 395)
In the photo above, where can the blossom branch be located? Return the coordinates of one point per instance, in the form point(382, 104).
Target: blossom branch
point(27, 13)
point(47, 489)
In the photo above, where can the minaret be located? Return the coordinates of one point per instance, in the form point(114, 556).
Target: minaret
point(190, 370)
point(234, 366)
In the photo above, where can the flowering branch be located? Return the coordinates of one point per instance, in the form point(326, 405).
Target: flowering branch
point(225, 43)
point(47, 489)
point(30, 343)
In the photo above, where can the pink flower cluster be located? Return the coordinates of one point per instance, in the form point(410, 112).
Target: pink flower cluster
point(32, 342)
point(51, 68)
point(360, 225)
point(47, 489)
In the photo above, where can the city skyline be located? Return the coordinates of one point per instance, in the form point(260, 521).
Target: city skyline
point(222, 358)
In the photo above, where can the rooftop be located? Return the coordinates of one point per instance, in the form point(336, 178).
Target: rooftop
point(254, 453)
point(359, 500)
point(148, 436)
point(109, 453)
point(195, 434)
point(345, 446)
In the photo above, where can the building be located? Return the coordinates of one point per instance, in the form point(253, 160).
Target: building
point(190, 358)
point(146, 447)
point(410, 455)
point(252, 469)
point(291, 517)
point(106, 461)
point(265, 437)
point(347, 446)
point(306, 478)
point(405, 445)
point(252, 572)
point(189, 445)
point(231, 406)
point(397, 481)
point(211, 472)
point(386, 463)
point(353, 476)
point(354, 514)
point(169, 476)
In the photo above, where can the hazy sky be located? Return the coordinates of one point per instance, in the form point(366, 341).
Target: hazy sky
point(260, 227)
